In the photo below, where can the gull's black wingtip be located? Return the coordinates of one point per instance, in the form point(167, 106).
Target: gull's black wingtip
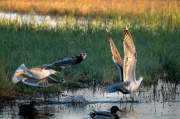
point(80, 58)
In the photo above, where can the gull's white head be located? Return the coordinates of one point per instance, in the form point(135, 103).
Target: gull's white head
point(53, 72)
point(139, 79)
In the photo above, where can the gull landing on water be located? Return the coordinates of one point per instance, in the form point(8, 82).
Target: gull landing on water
point(39, 76)
point(128, 82)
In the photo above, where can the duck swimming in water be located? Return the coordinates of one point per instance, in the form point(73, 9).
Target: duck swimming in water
point(106, 115)
point(28, 110)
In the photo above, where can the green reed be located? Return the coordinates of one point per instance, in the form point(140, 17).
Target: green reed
point(156, 40)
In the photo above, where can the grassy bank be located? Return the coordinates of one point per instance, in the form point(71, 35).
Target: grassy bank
point(91, 8)
point(156, 41)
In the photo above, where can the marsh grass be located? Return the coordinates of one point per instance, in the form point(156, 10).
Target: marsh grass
point(156, 41)
point(93, 8)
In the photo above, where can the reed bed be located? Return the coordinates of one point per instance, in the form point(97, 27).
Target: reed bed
point(107, 8)
point(156, 41)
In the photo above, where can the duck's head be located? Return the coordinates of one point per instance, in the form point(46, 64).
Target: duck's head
point(114, 109)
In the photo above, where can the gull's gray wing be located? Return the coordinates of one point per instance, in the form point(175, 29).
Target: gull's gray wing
point(45, 82)
point(62, 63)
point(130, 57)
point(116, 57)
point(122, 87)
point(69, 62)
point(120, 72)
point(40, 67)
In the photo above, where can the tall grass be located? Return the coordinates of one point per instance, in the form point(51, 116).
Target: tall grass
point(89, 7)
point(156, 41)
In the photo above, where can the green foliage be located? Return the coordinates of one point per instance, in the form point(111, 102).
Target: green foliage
point(156, 41)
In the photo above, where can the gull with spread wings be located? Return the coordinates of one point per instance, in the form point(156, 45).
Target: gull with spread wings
point(39, 76)
point(128, 82)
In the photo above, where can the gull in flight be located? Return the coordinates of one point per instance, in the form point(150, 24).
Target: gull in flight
point(128, 82)
point(39, 76)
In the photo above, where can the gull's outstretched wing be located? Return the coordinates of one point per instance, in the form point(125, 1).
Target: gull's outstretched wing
point(130, 57)
point(45, 82)
point(123, 87)
point(40, 67)
point(116, 57)
point(69, 62)
point(62, 63)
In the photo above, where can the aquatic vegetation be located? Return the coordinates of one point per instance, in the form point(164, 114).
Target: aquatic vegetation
point(156, 40)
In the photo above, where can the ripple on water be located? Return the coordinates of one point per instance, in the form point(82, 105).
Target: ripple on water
point(160, 101)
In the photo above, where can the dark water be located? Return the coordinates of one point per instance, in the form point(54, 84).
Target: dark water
point(160, 101)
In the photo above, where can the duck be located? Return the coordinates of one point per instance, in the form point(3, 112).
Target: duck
point(128, 82)
point(29, 110)
point(106, 115)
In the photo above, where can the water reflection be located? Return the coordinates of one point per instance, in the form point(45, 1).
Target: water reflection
point(52, 20)
point(29, 111)
point(156, 101)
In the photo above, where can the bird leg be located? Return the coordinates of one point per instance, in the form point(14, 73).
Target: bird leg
point(131, 97)
point(126, 97)
point(25, 71)
point(20, 76)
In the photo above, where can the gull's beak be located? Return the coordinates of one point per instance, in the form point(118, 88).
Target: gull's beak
point(56, 72)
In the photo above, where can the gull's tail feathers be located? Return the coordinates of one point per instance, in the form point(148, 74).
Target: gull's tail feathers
point(18, 72)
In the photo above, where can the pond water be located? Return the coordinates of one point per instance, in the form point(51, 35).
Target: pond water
point(160, 101)
point(51, 20)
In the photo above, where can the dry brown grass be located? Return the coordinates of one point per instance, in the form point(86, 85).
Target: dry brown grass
point(5, 95)
point(89, 7)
